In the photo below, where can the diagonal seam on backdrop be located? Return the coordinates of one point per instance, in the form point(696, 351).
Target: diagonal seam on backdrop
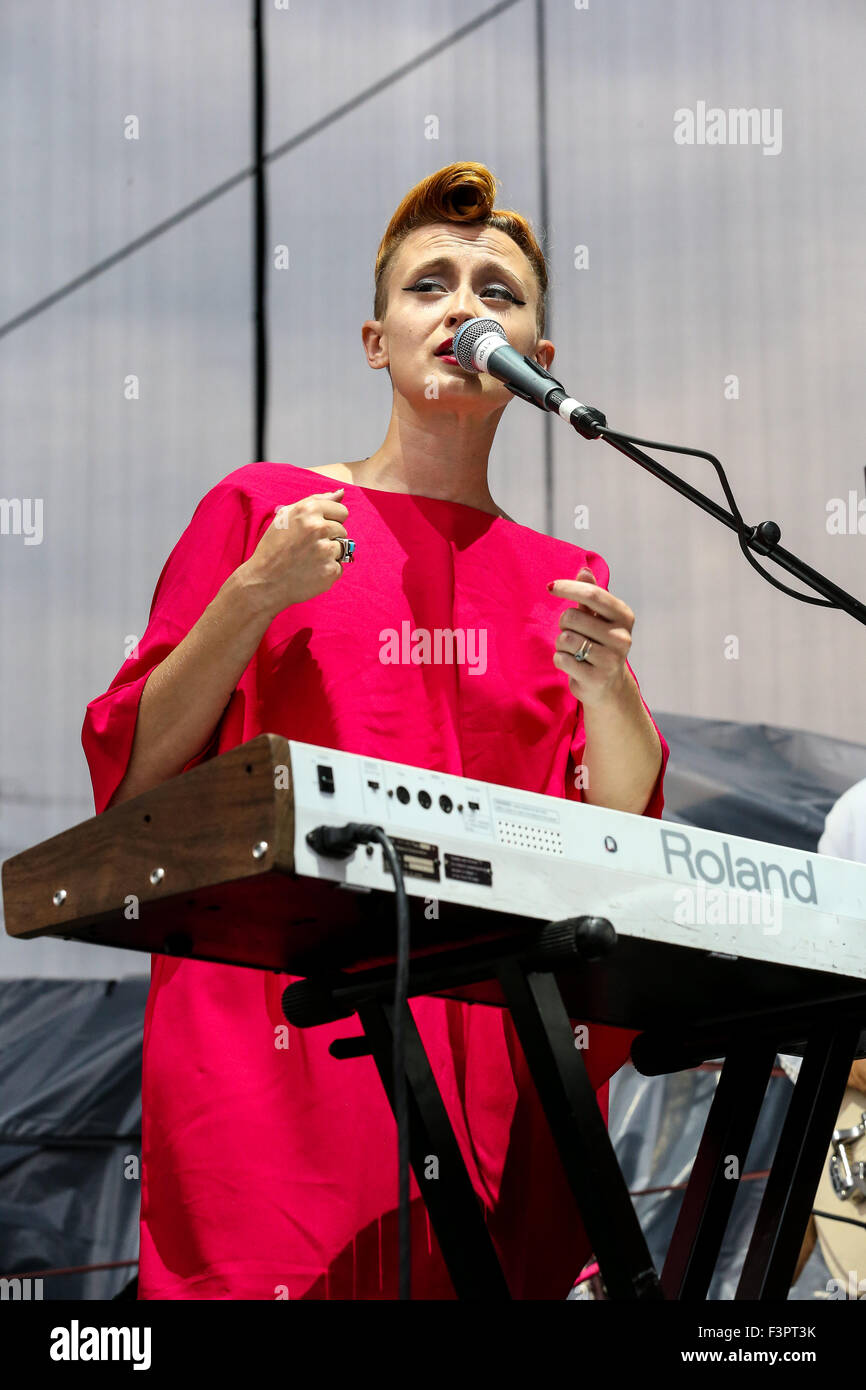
point(286, 147)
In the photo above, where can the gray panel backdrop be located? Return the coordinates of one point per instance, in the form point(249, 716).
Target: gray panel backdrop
point(702, 292)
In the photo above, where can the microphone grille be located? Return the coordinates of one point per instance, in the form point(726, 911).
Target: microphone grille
point(468, 335)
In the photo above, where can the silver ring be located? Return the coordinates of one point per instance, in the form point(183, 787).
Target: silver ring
point(347, 550)
point(584, 651)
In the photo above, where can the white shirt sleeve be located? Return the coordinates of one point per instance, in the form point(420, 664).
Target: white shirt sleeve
point(844, 837)
point(844, 834)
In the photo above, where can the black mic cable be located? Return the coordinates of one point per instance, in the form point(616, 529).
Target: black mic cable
point(481, 345)
point(338, 842)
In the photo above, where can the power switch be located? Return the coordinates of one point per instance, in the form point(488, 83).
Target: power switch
point(326, 778)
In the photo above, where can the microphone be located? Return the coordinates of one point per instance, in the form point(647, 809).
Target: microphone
point(481, 345)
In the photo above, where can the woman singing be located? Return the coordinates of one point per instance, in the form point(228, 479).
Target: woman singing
point(269, 1171)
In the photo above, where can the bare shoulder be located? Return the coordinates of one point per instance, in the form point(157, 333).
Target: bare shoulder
point(340, 472)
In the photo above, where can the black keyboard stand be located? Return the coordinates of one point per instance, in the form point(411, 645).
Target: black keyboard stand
point(525, 969)
point(801, 1150)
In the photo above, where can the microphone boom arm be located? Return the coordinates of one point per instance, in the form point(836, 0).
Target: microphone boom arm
point(763, 539)
point(481, 345)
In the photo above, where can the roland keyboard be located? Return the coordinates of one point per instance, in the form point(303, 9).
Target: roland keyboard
point(491, 847)
point(215, 865)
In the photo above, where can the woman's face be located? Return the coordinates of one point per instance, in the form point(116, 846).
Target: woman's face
point(442, 275)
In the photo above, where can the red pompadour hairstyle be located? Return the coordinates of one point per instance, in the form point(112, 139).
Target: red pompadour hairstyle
point(463, 192)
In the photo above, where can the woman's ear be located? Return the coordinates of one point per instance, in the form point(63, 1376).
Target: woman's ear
point(544, 353)
point(373, 338)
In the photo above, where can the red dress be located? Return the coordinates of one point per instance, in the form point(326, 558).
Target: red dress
point(269, 1173)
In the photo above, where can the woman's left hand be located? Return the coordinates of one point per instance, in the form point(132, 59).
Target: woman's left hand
point(607, 622)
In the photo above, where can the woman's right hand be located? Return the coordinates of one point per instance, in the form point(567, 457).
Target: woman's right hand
point(297, 557)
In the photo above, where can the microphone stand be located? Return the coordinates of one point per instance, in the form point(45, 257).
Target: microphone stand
point(763, 539)
point(481, 345)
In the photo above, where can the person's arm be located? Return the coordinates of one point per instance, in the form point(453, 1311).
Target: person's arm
point(857, 1075)
point(623, 755)
point(186, 694)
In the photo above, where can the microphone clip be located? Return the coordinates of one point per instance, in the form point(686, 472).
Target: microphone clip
point(527, 395)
